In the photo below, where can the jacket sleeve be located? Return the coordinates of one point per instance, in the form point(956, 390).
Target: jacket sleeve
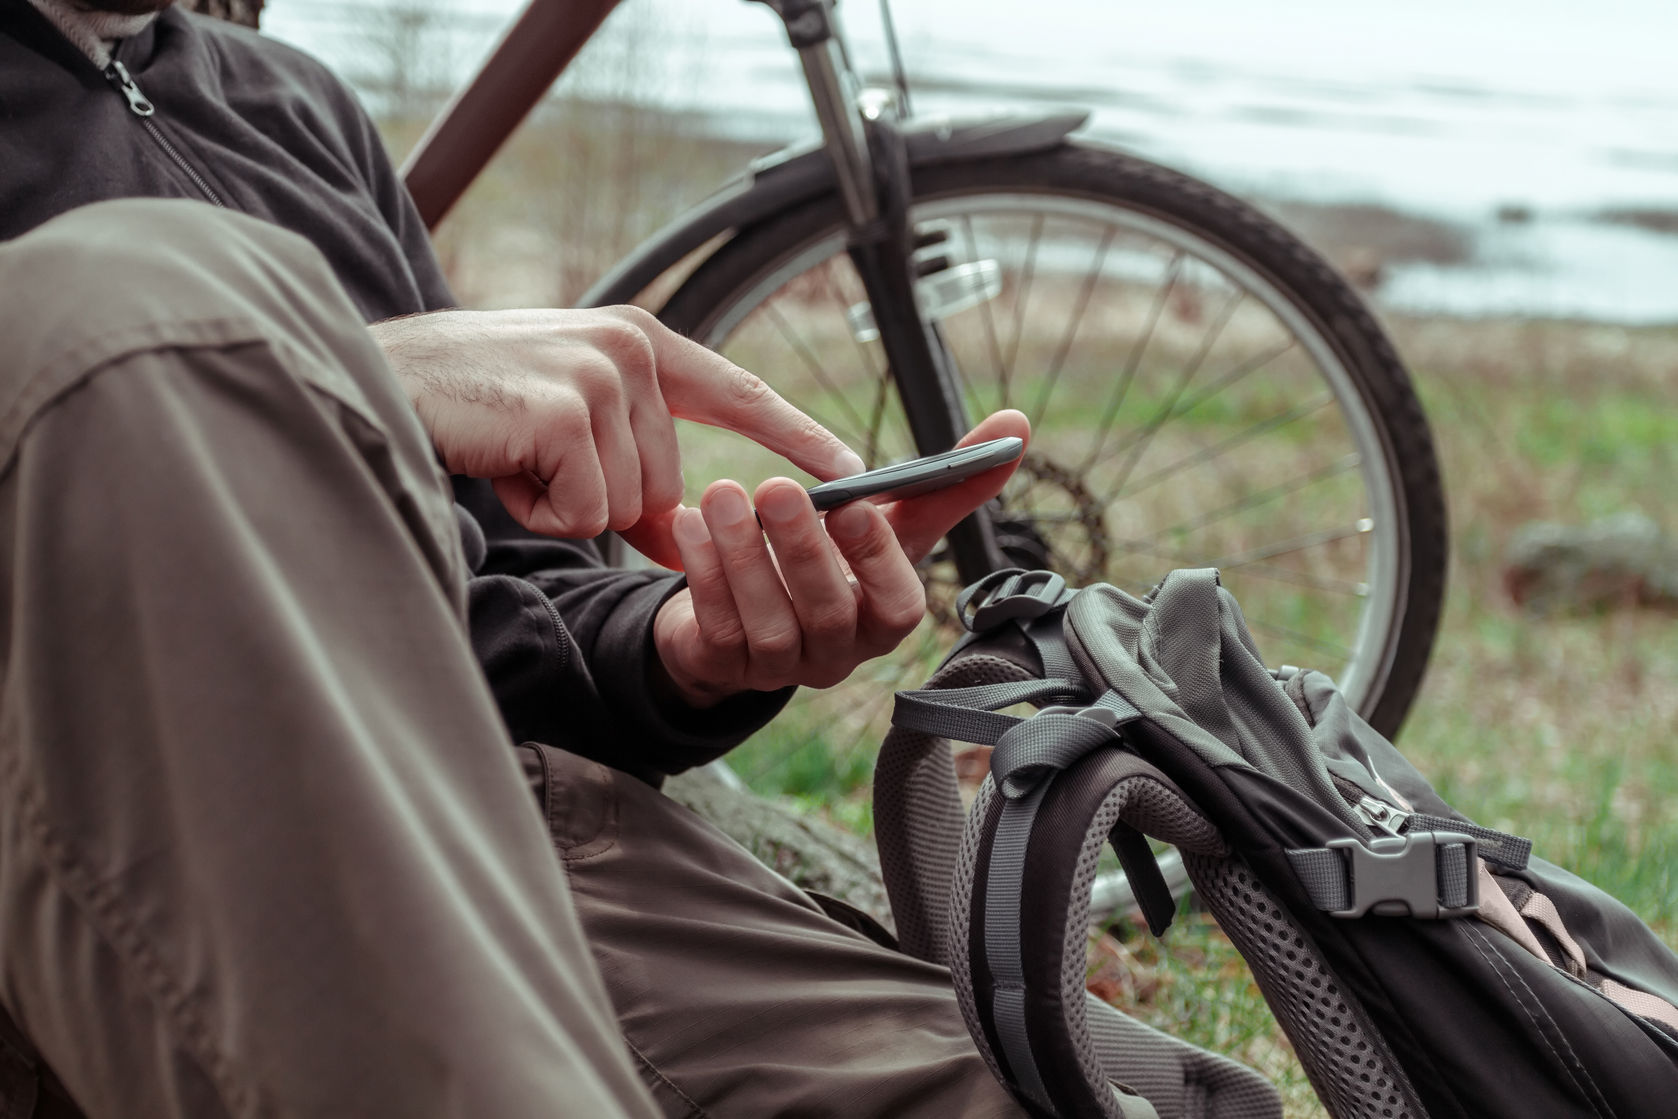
point(347, 133)
point(565, 642)
point(567, 646)
point(396, 206)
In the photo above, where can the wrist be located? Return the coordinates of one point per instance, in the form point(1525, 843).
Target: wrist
point(417, 349)
point(673, 690)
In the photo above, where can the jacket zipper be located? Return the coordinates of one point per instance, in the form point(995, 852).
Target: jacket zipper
point(118, 75)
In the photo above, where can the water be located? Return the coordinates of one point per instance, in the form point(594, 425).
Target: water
point(1547, 111)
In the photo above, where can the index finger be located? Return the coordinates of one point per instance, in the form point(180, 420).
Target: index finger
point(703, 386)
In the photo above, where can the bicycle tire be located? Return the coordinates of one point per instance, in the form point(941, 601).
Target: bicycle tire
point(1212, 234)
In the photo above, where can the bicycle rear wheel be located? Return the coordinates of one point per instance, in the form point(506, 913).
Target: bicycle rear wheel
point(1203, 389)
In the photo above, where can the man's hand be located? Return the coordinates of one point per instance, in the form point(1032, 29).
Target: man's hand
point(569, 413)
point(769, 607)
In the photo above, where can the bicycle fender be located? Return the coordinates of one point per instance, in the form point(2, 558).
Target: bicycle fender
point(797, 174)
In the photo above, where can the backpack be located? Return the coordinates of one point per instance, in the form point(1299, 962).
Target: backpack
point(1420, 964)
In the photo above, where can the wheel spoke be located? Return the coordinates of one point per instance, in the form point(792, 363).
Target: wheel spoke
point(1250, 501)
point(874, 368)
point(1054, 518)
point(1139, 445)
point(876, 421)
point(1349, 587)
point(1027, 274)
point(1229, 379)
point(1179, 558)
point(1003, 373)
point(1218, 450)
point(1133, 360)
point(802, 349)
point(1073, 323)
point(1289, 547)
point(1236, 376)
point(1339, 652)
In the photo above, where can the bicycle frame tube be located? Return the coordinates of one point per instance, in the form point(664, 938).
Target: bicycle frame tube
point(833, 92)
point(871, 165)
point(474, 125)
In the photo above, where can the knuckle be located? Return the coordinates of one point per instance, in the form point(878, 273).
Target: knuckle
point(599, 379)
point(903, 612)
point(640, 318)
point(829, 634)
point(776, 644)
point(586, 519)
point(802, 550)
point(727, 641)
point(570, 424)
point(747, 390)
point(626, 345)
point(828, 625)
point(624, 514)
point(876, 547)
point(661, 490)
point(813, 432)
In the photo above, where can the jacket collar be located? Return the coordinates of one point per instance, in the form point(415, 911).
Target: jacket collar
point(22, 21)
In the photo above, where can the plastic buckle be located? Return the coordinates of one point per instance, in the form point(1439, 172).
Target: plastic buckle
point(1398, 876)
point(1008, 596)
point(1106, 716)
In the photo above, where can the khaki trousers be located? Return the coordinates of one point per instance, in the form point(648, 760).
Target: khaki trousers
point(264, 849)
point(737, 994)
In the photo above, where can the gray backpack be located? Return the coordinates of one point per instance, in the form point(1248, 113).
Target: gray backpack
point(1420, 964)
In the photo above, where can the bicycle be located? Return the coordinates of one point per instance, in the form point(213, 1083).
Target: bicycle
point(1204, 391)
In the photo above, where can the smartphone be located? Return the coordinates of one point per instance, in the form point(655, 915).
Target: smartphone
point(917, 476)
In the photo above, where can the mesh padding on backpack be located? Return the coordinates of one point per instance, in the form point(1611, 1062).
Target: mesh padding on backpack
point(1349, 1066)
point(1179, 1079)
point(918, 817)
point(1162, 813)
point(1212, 1085)
point(1154, 1072)
point(961, 927)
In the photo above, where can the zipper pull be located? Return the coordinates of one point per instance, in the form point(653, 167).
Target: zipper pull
point(1381, 816)
point(119, 74)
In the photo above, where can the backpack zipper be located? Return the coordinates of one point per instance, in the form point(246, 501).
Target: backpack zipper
point(141, 107)
point(1381, 816)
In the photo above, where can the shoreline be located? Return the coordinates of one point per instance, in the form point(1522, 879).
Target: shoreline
point(1608, 264)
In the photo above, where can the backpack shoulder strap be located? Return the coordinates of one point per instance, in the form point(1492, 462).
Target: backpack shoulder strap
point(1005, 901)
point(1014, 623)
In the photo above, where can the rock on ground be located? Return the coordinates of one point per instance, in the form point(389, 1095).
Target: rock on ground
point(1621, 561)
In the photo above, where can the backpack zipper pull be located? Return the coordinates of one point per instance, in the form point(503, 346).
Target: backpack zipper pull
point(118, 73)
point(1381, 816)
